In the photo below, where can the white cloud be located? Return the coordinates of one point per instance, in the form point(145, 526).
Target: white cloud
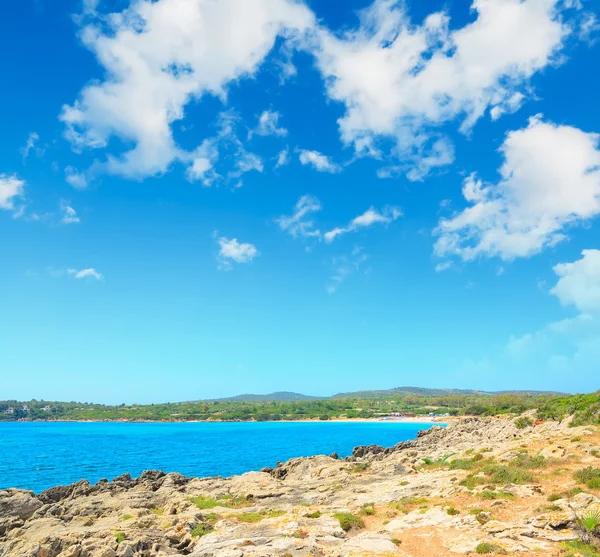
point(11, 188)
point(69, 215)
point(402, 81)
point(160, 55)
point(283, 158)
point(268, 123)
point(31, 141)
point(443, 266)
point(368, 218)
point(234, 251)
point(579, 282)
point(550, 179)
point(76, 179)
point(299, 222)
point(86, 273)
point(318, 161)
point(202, 163)
point(344, 266)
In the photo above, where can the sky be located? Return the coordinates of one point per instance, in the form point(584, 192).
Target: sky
point(201, 198)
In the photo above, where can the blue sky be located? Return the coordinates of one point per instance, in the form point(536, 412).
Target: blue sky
point(200, 198)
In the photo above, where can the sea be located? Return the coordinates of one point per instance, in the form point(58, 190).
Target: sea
point(40, 455)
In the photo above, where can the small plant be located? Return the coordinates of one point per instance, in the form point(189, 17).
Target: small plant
point(549, 508)
point(554, 497)
point(501, 474)
point(576, 439)
point(368, 509)
point(589, 476)
point(523, 421)
point(590, 521)
point(158, 511)
point(493, 495)
point(120, 537)
point(360, 467)
point(452, 511)
point(349, 521)
point(396, 541)
point(258, 516)
point(301, 534)
point(579, 549)
point(484, 548)
point(126, 517)
point(529, 462)
point(404, 483)
point(316, 514)
point(201, 530)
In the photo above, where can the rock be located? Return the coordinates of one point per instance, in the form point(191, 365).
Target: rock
point(370, 544)
point(335, 456)
point(20, 504)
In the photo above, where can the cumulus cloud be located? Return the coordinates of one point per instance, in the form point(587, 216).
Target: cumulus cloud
point(11, 189)
point(300, 223)
point(579, 282)
point(90, 273)
point(232, 251)
point(160, 55)
point(268, 124)
point(550, 180)
point(318, 161)
point(69, 215)
point(368, 218)
point(403, 82)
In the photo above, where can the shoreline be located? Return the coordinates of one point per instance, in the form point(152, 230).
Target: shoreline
point(414, 420)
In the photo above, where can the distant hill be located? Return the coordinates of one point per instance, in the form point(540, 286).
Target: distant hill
point(400, 391)
point(282, 396)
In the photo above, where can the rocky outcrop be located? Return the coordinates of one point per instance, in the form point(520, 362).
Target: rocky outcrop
point(403, 500)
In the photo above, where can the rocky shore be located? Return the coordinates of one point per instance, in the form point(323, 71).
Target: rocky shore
point(477, 486)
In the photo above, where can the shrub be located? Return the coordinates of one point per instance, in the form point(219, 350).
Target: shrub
point(554, 497)
point(493, 495)
point(501, 474)
point(523, 421)
point(489, 548)
point(316, 514)
point(201, 530)
point(396, 541)
point(120, 537)
point(452, 511)
point(529, 462)
point(580, 549)
point(349, 521)
point(368, 509)
point(464, 464)
point(589, 476)
point(126, 517)
point(360, 467)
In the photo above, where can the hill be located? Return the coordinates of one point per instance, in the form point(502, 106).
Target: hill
point(280, 396)
point(403, 391)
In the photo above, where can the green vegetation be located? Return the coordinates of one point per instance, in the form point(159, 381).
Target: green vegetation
point(586, 408)
point(126, 517)
point(120, 537)
point(590, 521)
point(484, 548)
point(493, 495)
point(580, 549)
point(316, 514)
point(258, 515)
point(453, 403)
point(368, 509)
point(452, 511)
point(588, 476)
point(349, 521)
point(229, 501)
point(201, 530)
point(523, 421)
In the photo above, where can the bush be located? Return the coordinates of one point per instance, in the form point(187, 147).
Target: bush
point(200, 530)
point(589, 476)
point(316, 514)
point(529, 462)
point(489, 548)
point(368, 509)
point(349, 521)
point(523, 421)
point(452, 511)
point(580, 549)
point(493, 495)
point(120, 537)
point(501, 474)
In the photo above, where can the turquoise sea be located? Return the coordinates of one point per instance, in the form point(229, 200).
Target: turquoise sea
point(41, 455)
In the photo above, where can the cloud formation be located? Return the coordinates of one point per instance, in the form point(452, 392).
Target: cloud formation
point(232, 251)
point(579, 282)
point(11, 189)
point(300, 222)
point(402, 81)
point(268, 124)
point(368, 218)
point(318, 161)
point(160, 55)
point(86, 273)
point(549, 181)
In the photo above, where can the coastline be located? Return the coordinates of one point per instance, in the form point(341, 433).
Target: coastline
point(415, 420)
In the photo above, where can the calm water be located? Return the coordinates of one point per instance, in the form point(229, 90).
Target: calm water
point(41, 455)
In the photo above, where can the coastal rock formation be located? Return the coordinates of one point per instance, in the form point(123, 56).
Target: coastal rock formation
point(477, 486)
